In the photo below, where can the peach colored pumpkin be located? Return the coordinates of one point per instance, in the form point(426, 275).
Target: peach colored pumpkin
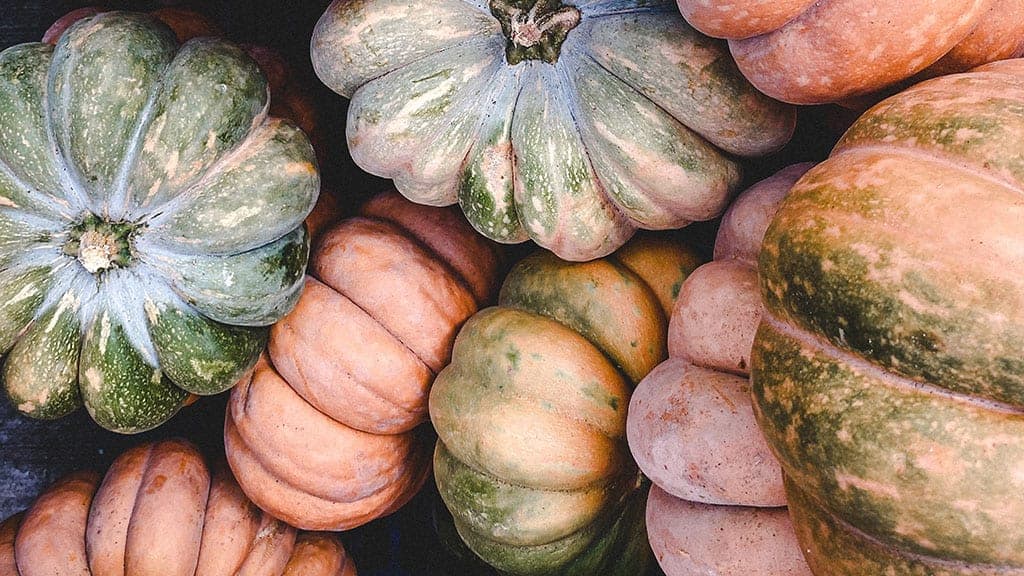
point(327, 433)
point(159, 510)
point(811, 52)
point(717, 506)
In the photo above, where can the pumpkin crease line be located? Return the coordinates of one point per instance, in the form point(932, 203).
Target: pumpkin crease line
point(358, 382)
point(933, 156)
point(860, 364)
point(955, 566)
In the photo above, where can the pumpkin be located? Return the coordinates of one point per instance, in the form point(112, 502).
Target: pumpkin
point(150, 220)
point(571, 125)
point(810, 52)
point(289, 97)
point(718, 504)
point(159, 510)
point(531, 458)
point(327, 433)
point(887, 368)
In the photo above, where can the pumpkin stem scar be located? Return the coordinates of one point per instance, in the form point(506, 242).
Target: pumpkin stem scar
point(535, 29)
point(99, 245)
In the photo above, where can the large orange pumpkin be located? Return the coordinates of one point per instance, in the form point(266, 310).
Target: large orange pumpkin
point(159, 510)
point(810, 52)
point(326, 433)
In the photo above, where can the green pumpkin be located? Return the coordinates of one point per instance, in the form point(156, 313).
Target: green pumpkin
point(572, 125)
point(150, 220)
point(888, 372)
point(532, 459)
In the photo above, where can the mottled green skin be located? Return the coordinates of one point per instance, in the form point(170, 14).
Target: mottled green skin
point(631, 334)
point(23, 290)
point(40, 373)
point(843, 550)
point(198, 354)
point(253, 288)
point(122, 391)
point(28, 173)
point(532, 459)
point(149, 243)
point(604, 126)
point(887, 372)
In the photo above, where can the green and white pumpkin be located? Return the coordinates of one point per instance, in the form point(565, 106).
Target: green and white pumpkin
point(573, 125)
point(150, 220)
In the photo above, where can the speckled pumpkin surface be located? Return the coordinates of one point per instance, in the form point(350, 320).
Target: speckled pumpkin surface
point(150, 220)
point(572, 125)
point(532, 458)
point(888, 372)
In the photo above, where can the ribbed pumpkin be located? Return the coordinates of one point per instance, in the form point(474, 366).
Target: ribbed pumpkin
point(887, 370)
point(569, 124)
point(326, 434)
point(159, 510)
point(812, 52)
point(150, 220)
point(717, 506)
point(531, 458)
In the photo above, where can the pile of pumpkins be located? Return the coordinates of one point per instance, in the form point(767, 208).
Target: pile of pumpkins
point(837, 392)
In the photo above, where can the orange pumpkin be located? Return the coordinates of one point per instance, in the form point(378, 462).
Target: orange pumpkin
point(326, 433)
point(812, 52)
point(159, 510)
point(717, 506)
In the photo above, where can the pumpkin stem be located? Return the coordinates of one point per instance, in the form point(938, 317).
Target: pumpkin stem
point(99, 245)
point(535, 29)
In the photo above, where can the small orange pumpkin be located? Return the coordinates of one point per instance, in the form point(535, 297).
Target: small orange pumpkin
point(717, 506)
point(159, 510)
point(326, 433)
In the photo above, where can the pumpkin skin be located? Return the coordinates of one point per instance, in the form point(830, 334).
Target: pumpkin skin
point(887, 370)
point(147, 235)
point(718, 504)
point(808, 52)
point(619, 117)
point(531, 458)
point(327, 434)
point(159, 510)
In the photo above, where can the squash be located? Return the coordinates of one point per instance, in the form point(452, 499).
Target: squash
point(531, 458)
point(289, 96)
point(327, 433)
point(718, 504)
point(150, 220)
point(887, 368)
point(159, 510)
point(571, 125)
point(809, 52)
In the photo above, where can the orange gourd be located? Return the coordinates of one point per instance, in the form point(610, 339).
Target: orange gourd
point(327, 433)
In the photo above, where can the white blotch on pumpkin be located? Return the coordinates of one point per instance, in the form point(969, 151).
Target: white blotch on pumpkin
point(104, 332)
point(152, 312)
point(93, 379)
point(235, 217)
point(28, 291)
point(67, 301)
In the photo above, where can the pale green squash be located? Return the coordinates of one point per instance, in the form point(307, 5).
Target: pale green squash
point(150, 220)
point(532, 459)
point(572, 125)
